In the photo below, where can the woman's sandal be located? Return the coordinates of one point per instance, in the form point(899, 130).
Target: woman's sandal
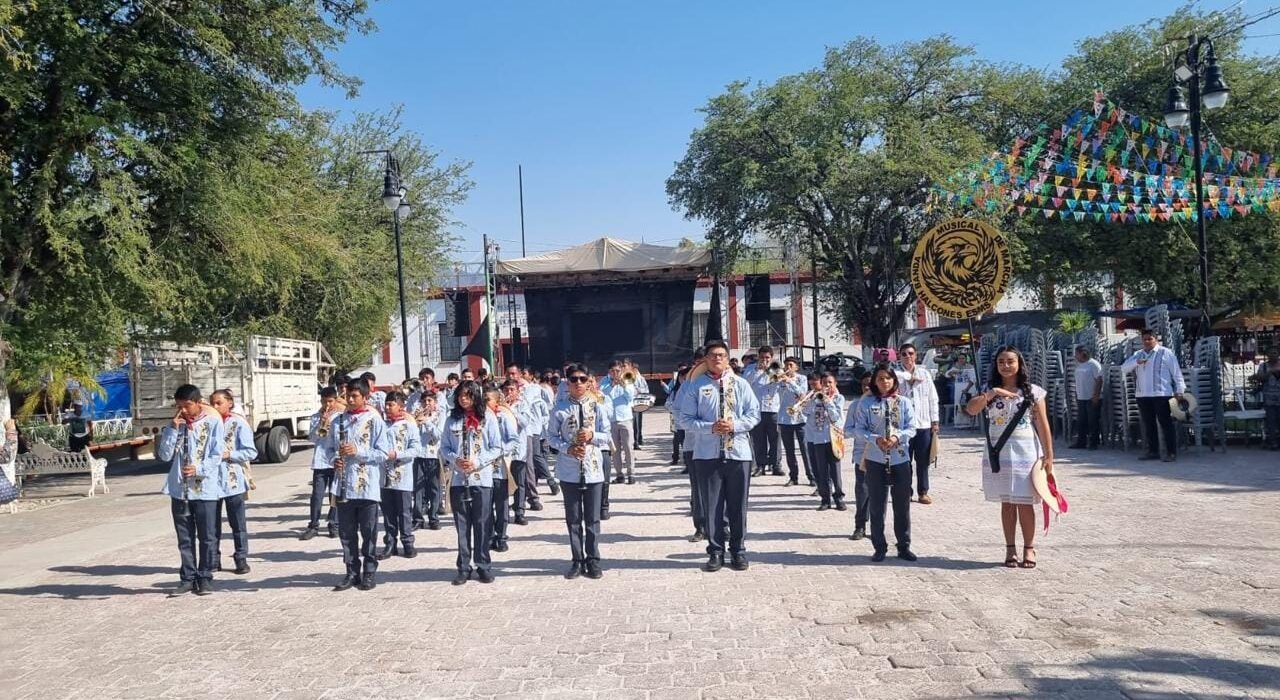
point(1028, 563)
point(1011, 559)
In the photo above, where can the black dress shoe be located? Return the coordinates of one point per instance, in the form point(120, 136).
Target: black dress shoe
point(675, 461)
point(347, 582)
point(419, 526)
point(183, 588)
point(521, 520)
point(409, 552)
point(461, 578)
point(697, 536)
point(433, 526)
point(878, 556)
point(555, 487)
point(604, 514)
point(333, 533)
point(738, 562)
point(203, 586)
point(535, 504)
point(1169, 458)
point(905, 554)
point(367, 583)
point(592, 570)
point(631, 480)
point(242, 567)
point(501, 547)
point(858, 533)
point(620, 480)
point(484, 575)
point(824, 506)
point(791, 482)
point(575, 570)
point(757, 472)
point(714, 563)
point(308, 534)
point(841, 506)
point(386, 553)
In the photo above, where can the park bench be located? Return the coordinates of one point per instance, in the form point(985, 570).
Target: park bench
point(44, 460)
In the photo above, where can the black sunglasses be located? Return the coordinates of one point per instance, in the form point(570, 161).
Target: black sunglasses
point(579, 379)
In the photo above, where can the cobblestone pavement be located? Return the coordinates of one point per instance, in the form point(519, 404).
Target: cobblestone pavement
point(1162, 582)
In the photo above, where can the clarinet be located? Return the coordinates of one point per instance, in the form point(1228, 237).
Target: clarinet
point(341, 497)
point(184, 456)
point(582, 463)
point(724, 441)
point(466, 454)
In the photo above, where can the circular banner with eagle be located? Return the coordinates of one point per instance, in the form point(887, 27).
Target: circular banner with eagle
point(960, 268)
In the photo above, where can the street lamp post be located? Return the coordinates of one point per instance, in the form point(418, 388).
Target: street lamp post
point(396, 201)
point(1208, 89)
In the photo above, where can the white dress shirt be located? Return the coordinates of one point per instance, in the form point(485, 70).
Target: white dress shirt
point(1157, 372)
point(918, 385)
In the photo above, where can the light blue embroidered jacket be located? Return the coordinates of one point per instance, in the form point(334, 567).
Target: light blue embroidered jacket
point(238, 441)
point(872, 419)
point(203, 441)
point(700, 408)
point(361, 479)
point(406, 442)
point(565, 421)
point(485, 449)
point(323, 454)
point(621, 396)
point(820, 414)
point(766, 391)
point(789, 392)
point(430, 433)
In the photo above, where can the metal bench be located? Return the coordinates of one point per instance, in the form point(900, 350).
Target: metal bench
point(44, 460)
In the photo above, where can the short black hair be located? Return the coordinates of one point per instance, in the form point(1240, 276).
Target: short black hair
point(360, 386)
point(426, 372)
point(394, 397)
point(794, 359)
point(224, 393)
point(1150, 332)
point(187, 392)
point(452, 375)
point(706, 347)
point(368, 377)
point(576, 368)
point(616, 364)
point(905, 346)
point(328, 393)
point(1083, 350)
point(763, 349)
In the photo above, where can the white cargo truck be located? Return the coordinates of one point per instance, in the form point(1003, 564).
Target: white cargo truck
point(275, 382)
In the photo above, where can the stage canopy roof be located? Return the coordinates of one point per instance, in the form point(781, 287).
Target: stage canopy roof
point(608, 259)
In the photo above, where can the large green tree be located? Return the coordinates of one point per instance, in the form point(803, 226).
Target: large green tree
point(837, 160)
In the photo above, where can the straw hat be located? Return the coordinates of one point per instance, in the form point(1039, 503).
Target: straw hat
point(1040, 481)
point(1182, 408)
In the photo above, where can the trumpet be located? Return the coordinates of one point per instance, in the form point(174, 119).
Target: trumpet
point(777, 373)
point(797, 408)
point(628, 377)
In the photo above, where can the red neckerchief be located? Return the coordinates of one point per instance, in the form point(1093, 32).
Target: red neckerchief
point(891, 395)
point(470, 421)
point(192, 421)
point(715, 376)
point(357, 411)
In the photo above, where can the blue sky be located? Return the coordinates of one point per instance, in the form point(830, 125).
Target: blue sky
point(597, 99)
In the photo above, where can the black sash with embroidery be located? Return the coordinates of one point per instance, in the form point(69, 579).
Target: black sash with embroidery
point(993, 451)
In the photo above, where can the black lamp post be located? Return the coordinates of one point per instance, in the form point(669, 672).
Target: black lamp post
point(396, 201)
point(1208, 89)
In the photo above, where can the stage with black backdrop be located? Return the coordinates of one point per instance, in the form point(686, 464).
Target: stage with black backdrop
point(649, 322)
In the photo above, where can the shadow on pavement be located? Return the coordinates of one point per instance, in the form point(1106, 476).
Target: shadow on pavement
point(1228, 672)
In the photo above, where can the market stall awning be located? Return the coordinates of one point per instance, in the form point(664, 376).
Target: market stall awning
point(609, 257)
point(1264, 318)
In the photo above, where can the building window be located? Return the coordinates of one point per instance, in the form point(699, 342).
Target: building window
point(772, 332)
point(700, 328)
point(450, 345)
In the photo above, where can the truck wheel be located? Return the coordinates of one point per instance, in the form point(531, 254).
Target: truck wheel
point(260, 444)
point(278, 444)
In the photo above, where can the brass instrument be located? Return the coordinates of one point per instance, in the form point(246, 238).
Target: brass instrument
point(777, 373)
point(629, 377)
point(797, 408)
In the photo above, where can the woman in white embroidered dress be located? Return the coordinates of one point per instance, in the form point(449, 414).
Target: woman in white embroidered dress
point(1009, 479)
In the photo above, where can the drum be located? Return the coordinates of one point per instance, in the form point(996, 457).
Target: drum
point(642, 403)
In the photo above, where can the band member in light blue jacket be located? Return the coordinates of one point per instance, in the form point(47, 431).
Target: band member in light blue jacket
point(885, 425)
point(405, 447)
point(718, 410)
point(579, 431)
point(193, 445)
point(430, 417)
point(514, 445)
point(471, 447)
point(322, 456)
point(824, 411)
point(237, 452)
point(361, 439)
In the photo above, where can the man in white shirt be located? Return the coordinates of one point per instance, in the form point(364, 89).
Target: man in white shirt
point(1159, 378)
point(1088, 400)
point(915, 382)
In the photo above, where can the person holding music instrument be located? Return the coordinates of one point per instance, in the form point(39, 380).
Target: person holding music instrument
point(471, 445)
point(362, 442)
point(1017, 422)
point(193, 446)
point(696, 510)
point(527, 415)
point(885, 424)
point(824, 432)
point(620, 392)
point(238, 450)
point(514, 443)
point(637, 417)
point(765, 377)
point(578, 431)
point(537, 410)
point(606, 452)
point(426, 382)
point(322, 456)
point(791, 390)
point(377, 397)
point(430, 419)
point(404, 448)
point(677, 432)
point(861, 495)
point(719, 408)
point(450, 386)
point(917, 385)
point(421, 471)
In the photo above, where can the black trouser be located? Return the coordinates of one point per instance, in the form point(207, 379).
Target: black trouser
point(637, 429)
point(695, 496)
point(861, 497)
point(421, 477)
point(793, 435)
point(434, 491)
point(519, 469)
point(606, 461)
point(474, 524)
point(826, 469)
point(764, 441)
point(582, 516)
point(397, 517)
point(724, 486)
point(677, 442)
point(918, 449)
point(501, 509)
point(1273, 425)
point(541, 470)
point(197, 547)
point(321, 482)
point(881, 482)
point(1088, 427)
point(234, 506)
point(1156, 419)
point(357, 526)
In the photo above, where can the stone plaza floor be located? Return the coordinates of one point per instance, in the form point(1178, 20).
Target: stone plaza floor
point(1163, 581)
